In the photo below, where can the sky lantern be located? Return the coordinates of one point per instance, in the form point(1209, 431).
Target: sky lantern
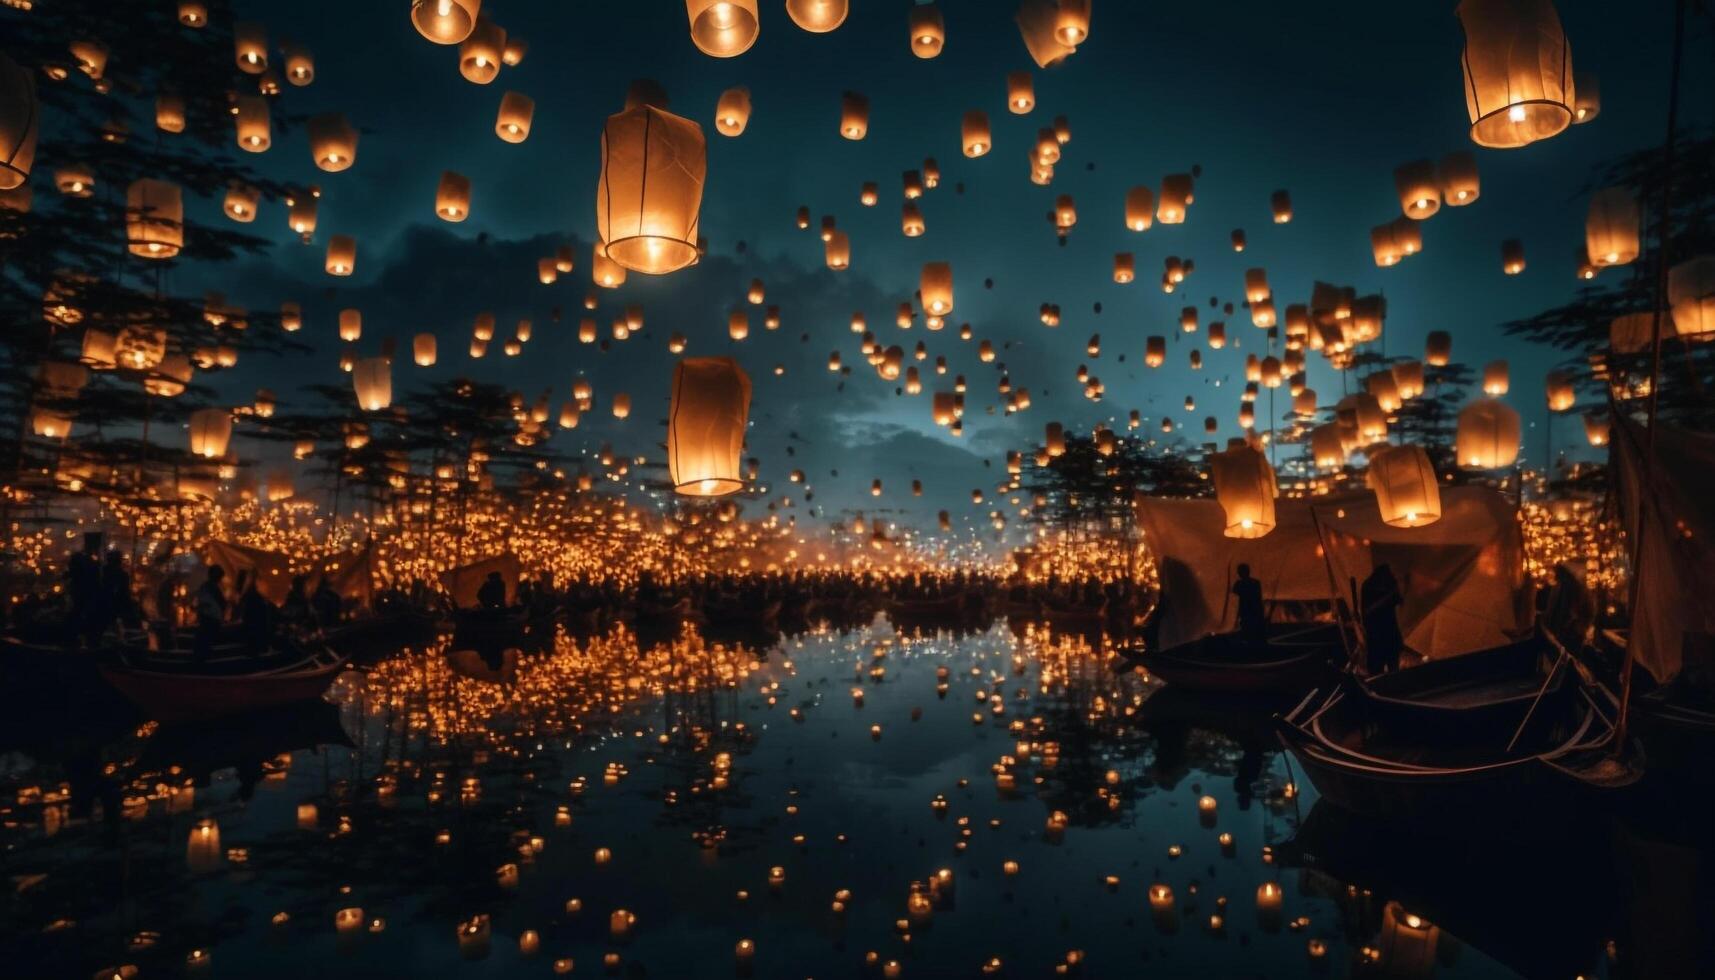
point(241, 202)
point(974, 133)
point(732, 111)
point(513, 122)
point(1072, 25)
point(373, 379)
point(452, 197)
point(1512, 256)
point(854, 115)
point(928, 30)
point(1560, 392)
point(1304, 403)
point(817, 16)
point(1054, 439)
point(651, 190)
point(1630, 333)
point(911, 222)
point(1691, 292)
point(1611, 228)
point(333, 141)
point(211, 431)
point(481, 52)
point(723, 28)
point(1125, 267)
point(1256, 285)
point(1408, 378)
point(483, 327)
point(1419, 188)
point(251, 121)
point(342, 255)
point(621, 405)
point(513, 54)
point(1155, 351)
point(936, 286)
point(706, 424)
point(1175, 199)
point(1518, 71)
point(1020, 92)
point(838, 250)
point(1139, 208)
point(154, 219)
point(1496, 379)
point(250, 47)
point(193, 13)
point(1404, 483)
point(170, 113)
point(91, 56)
point(604, 271)
point(1245, 487)
point(350, 325)
point(1039, 26)
point(1326, 449)
point(1587, 104)
point(423, 349)
point(445, 21)
point(300, 66)
point(1438, 348)
point(1385, 390)
point(1597, 428)
point(301, 215)
point(1488, 435)
point(1280, 203)
point(1457, 174)
point(547, 270)
point(912, 183)
point(738, 324)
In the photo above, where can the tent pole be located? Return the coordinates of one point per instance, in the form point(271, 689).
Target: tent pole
point(1333, 584)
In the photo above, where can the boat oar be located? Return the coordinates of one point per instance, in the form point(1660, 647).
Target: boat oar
point(1546, 681)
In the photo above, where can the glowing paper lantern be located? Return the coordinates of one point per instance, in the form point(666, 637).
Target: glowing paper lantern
point(1072, 26)
point(373, 379)
point(1611, 229)
point(1460, 184)
point(301, 215)
point(193, 13)
point(1326, 449)
point(154, 219)
point(1176, 191)
point(1518, 71)
point(211, 431)
point(445, 21)
point(170, 113)
point(651, 190)
point(423, 349)
point(817, 16)
point(722, 28)
point(1404, 483)
point(1596, 428)
point(838, 250)
point(1139, 208)
point(1125, 267)
point(253, 128)
point(1512, 256)
point(350, 325)
point(452, 197)
point(300, 66)
point(732, 111)
point(1587, 104)
point(1488, 435)
point(342, 255)
point(250, 47)
point(974, 133)
point(481, 52)
point(604, 271)
point(333, 141)
point(1496, 379)
point(1245, 488)
point(1280, 203)
point(241, 202)
point(1039, 26)
point(936, 286)
point(1020, 92)
point(1691, 291)
point(928, 30)
point(1418, 187)
point(1560, 392)
point(854, 115)
point(1438, 348)
point(513, 122)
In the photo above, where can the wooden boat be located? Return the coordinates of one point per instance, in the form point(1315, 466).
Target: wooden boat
point(382, 632)
point(1293, 659)
point(1461, 781)
point(1489, 691)
point(173, 687)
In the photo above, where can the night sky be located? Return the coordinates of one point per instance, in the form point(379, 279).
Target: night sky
point(1322, 99)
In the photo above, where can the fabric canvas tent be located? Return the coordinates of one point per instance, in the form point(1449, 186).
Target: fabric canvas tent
point(272, 569)
point(1672, 521)
point(463, 582)
point(1463, 576)
point(349, 573)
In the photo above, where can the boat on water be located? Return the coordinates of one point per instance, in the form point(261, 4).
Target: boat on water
point(1487, 692)
point(381, 632)
point(1530, 757)
point(172, 685)
point(1295, 657)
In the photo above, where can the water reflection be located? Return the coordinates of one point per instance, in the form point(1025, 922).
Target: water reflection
point(1003, 800)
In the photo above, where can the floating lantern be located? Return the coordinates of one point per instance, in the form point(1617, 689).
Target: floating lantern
point(1518, 71)
point(193, 13)
point(1020, 92)
point(342, 255)
point(350, 325)
point(372, 377)
point(838, 250)
point(1587, 101)
point(974, 133)
point(452, 197)
point(732, 111)
point(1280, 203)
point(1495, 379)
point(722, 28)
point(333, 141)
point(1691, 293)
point(445, 21)
point(854, 115)
point(1559, 391)
point(936, 287)
point(738, 324)
point(1407, 493)
point(170, 113)
point(605, 271)
point(75, 180)
point(202, 850)
point(928, 30)
point(1458, 176)
point(517, 110)
point(1418, 187)
point(300, 66)
point(423, 349)
point(1125, 267)
point(154, 219)
point(481, 52)
point(1039, 26)
point(211, 431)
point(651, 189)
point(1245, 487)
point(1488, 435)
point(1596, 428)
point(252, 126)
point(1611, 229)
point(1512, 256)
point(817, 16)
point(1438, 348)
point(621, 405)
point(1176, 191)
point(301, 216)
point(241, 202)
point(250, 47)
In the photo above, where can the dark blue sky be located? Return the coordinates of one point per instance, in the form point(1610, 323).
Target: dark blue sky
point(1322, 99)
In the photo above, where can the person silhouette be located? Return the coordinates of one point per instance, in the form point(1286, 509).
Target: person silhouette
point(1253, 618)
